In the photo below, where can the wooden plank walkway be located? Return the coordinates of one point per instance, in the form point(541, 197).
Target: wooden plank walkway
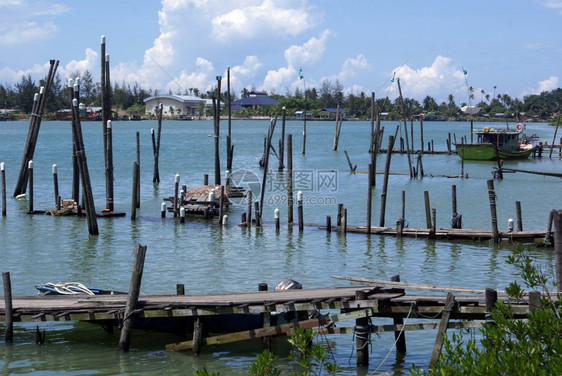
point(451, 233)
point(372, 299)
point(383, 302)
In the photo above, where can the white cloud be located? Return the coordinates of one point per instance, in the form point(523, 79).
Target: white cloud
point(91, 63)
point(549, 84)
point(309, 53)
point(21, 21)
point(265, 18)
point(26, 32)
point(438, 80)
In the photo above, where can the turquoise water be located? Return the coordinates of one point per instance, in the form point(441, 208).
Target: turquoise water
point(208, 258)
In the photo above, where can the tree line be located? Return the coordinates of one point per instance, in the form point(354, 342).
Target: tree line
point(130, 99)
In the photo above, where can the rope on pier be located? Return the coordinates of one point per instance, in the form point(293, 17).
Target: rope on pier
point(396, 340)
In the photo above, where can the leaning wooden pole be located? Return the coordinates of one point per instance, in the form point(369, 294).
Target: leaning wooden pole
point(265, 167)
point(405, 128)
point(385, 181)
point(132, 299)
point(34, 125)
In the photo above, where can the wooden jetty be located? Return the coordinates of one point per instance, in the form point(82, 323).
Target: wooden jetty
point(207, 200)
point(357, 305)
point(451, 233)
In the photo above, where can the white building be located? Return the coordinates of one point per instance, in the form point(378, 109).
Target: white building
point(174, 105)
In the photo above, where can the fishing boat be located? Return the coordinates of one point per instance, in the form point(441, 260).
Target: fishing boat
point(493, 144)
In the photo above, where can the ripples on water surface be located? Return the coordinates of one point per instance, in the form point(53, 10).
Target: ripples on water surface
point(208, 258)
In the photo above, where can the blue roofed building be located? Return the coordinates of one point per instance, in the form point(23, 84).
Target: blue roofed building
point(254, 101)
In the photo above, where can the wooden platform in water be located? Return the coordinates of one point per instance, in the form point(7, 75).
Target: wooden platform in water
point(324, 310)
point(452, 233)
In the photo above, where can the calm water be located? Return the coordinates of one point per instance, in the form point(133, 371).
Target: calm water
point(208, 258)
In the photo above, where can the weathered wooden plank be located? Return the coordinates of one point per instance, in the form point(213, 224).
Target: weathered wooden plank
point(287, 329)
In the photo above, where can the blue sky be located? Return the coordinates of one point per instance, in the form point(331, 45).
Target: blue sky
point(514, 45)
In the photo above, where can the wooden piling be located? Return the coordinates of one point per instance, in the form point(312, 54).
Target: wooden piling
point(557, 214)
point(340, 213)
point(491, 299)
point(369, 198)
point(328, 223)
point(449, 303)
point(197, 336)
point(421, 134)
point(109, 199)
point(266, 167)
point(492, 199)
point(221, 204)
point(156, 145)
point(344, 221)
point(300, 211)
point(180, 289)
point(87, 194)
point(163, 210)
point(138, 174)
point(362, 336)
point(9, 313)
point(427, 209)
point(176, 193)
point(3, 172)
point(277, 220)
point(282, 141)
point(518, 214)
point(249, 212)
point(257, 211)
point(39, 101)
point(456, 221)
point(30, 172)
point(433, 223)
point(404, 115)
point(135, 191)
point(399, 336)
point(132, 298)
point(56, 185)
point(385, 181)
point(217, 132)
point(290, 179)
point(229, 134)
